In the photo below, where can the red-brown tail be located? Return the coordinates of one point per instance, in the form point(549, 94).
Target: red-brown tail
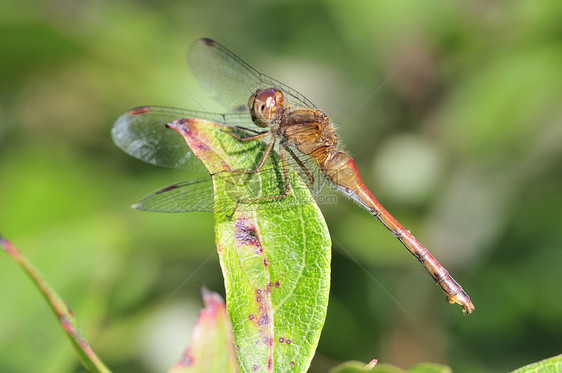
point(341, 170)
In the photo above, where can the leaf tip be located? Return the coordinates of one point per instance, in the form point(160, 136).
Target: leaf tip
point(210, 298)
point(372, 364)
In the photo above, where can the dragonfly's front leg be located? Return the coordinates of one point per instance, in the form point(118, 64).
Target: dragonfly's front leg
point(264, 157)
point(268, 150)
point(266, 154)
point(257, 136)
point(258, 169)
point(240, 128)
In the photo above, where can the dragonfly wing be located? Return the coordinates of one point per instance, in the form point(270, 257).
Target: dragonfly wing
point(230, 80)
point(187, 196)
point(142, 133)
point(198, 194)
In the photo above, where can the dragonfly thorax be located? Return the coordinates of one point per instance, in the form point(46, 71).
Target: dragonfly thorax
point(310, 131)
point(265, 105)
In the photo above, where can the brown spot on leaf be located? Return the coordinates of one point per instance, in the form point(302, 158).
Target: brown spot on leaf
point(246, 234)
point(186, 360)
point(264, 320)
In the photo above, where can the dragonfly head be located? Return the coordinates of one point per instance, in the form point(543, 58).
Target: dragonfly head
point(264, 105)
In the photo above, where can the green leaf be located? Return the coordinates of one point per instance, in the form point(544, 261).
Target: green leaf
point(66, 318)
point(429, 368)
point(211, 348)
point(357, 367)
point(553, 364)
point(275, 253)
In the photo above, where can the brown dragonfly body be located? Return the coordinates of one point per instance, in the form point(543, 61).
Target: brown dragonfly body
point(310, 131)
point(274, 110)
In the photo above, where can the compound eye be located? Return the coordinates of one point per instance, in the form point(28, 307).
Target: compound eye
point(264, 105)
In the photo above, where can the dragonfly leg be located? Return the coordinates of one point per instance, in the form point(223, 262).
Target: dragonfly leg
point(259, 135)
point(240, 128)
point(302, 166)
point(285, 176)
point(264, 157)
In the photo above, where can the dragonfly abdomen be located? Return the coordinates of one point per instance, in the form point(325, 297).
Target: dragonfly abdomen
point(342, 172)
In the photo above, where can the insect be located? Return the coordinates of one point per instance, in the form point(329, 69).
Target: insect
point(263, 109)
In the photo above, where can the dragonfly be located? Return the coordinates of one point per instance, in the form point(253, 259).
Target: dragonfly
point(265, 110)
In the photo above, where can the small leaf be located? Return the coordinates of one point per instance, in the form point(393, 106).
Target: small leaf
point(357, 367)
point(553, 364)
point(275, 253)
point(66, 318)
point(429, 368)
point(211, 348)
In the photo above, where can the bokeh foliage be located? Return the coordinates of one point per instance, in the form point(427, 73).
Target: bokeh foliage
point(451, 110)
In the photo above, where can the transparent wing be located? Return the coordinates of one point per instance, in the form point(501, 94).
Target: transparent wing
point(230, 80)
point(142, 133)
point(192, 195)
point(198, 194)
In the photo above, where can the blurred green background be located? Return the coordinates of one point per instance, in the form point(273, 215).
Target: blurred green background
point(452, 111)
